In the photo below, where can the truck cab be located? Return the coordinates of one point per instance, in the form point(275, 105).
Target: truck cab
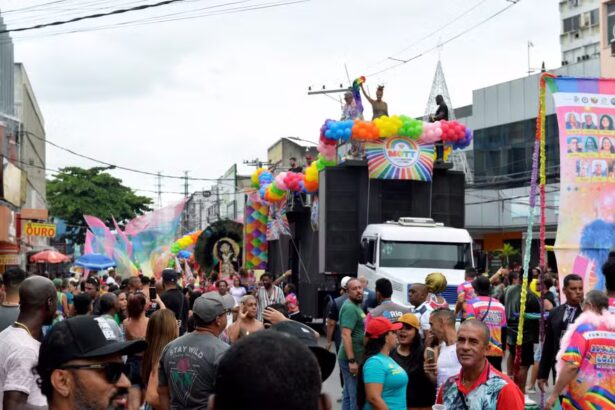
point(407, 250)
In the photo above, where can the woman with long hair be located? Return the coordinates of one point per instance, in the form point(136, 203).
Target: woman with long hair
point(606, 122)
point(420, 393)
point(122, 303)
point(161, 329)
point(606, 146)
point(382, 382)
point(135, 326)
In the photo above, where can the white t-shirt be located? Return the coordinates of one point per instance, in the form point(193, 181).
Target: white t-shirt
point(448, 363)
point(18, 356)
point(237, 293)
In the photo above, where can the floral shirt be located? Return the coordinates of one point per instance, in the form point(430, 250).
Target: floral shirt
point(491, 391)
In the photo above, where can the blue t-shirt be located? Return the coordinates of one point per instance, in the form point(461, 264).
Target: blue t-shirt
point(383, 370)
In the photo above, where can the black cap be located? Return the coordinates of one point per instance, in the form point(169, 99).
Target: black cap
point(82, 337)
point(325, 358)
point(169, 275)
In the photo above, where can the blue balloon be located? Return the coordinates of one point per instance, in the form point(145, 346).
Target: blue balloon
point(262, 191)
point(329, 133)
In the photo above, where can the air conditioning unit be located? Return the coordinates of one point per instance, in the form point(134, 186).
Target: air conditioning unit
point(585, 20)
point(573, 3)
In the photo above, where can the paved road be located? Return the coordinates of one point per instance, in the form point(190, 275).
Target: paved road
point(332, 387)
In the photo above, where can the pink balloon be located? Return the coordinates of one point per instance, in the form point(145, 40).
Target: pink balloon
point(279, 181)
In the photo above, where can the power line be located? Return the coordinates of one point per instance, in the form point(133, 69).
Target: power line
point(160, 19)
point(122, 167)
point(453, 38)
point(436, 31)
point(92, 16)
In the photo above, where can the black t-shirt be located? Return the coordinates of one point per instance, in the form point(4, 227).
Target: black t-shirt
point(96, 307)
point(297, 169)
point(420, 392)
point(512, 303)
point(174, 300)
point(442, 112)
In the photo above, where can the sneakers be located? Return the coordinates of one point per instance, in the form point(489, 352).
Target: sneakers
point(531, 389)
point(529, 401)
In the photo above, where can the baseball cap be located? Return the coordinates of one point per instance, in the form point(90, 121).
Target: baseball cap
point(83, 337)
point(345, 280)
point(169, 275)
point(377, 326)
point(208, 307)
point(410, 319)
point(325, 358)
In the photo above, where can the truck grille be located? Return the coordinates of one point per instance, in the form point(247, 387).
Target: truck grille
point(450, 294)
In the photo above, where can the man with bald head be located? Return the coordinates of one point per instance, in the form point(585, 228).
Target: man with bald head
point(418, 298)
point(478, 383)
point(20, 342)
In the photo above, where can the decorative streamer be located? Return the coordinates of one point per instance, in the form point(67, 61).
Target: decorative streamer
point(538, 161)
point(543, 205)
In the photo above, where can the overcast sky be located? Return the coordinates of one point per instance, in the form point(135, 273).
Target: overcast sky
point(201, 94)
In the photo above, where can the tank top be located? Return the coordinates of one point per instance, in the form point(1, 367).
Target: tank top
point(379, 108)
point(448, 364)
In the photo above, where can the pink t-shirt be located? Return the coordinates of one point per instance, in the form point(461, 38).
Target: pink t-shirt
point(592, 349)
point(612, 305)
point(494, 316)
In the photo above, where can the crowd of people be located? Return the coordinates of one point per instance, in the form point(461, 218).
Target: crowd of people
point(104, 342)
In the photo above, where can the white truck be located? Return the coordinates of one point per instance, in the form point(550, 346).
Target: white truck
point(407, 250)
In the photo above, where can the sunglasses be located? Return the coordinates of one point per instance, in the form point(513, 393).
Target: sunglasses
point(113, 371)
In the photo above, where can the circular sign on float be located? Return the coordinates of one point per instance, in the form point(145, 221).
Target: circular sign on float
point(401, 152)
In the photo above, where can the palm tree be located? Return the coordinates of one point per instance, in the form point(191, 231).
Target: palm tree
point(506, 252)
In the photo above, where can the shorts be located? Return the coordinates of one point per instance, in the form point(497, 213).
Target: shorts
point(527, 353)
point(537, 352)
point(135, 362)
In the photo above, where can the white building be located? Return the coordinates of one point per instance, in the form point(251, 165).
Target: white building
point(580, 30)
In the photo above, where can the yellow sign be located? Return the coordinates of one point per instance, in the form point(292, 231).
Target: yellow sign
point(10, 259)
point(37, 229)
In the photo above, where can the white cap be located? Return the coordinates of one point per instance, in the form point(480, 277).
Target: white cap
point(345, 281)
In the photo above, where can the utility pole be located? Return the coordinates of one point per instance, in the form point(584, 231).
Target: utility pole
point(159, 189)
point(186, 183)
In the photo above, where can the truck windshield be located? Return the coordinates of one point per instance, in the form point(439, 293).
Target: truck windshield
point(435, 255)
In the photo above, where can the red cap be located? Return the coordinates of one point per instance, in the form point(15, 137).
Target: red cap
point(378, 326)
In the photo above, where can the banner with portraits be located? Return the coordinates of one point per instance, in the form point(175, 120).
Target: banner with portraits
point(586, 227)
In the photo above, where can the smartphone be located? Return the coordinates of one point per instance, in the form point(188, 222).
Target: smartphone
point(152, 293)
point(430, 354)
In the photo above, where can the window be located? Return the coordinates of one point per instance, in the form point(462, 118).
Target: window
point(369, 249)
point(594, 17)
point(572, 23)
point(503, 154)
point(433, 255)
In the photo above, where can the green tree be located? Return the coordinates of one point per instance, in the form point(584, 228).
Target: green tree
point(506, 252)
point(75, 192)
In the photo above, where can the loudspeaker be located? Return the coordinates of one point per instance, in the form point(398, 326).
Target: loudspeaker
point(448, 198)
point(340, 221)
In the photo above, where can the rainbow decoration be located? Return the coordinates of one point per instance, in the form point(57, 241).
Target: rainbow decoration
point(399, 158)
point(255, 233)
point(454, 134)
